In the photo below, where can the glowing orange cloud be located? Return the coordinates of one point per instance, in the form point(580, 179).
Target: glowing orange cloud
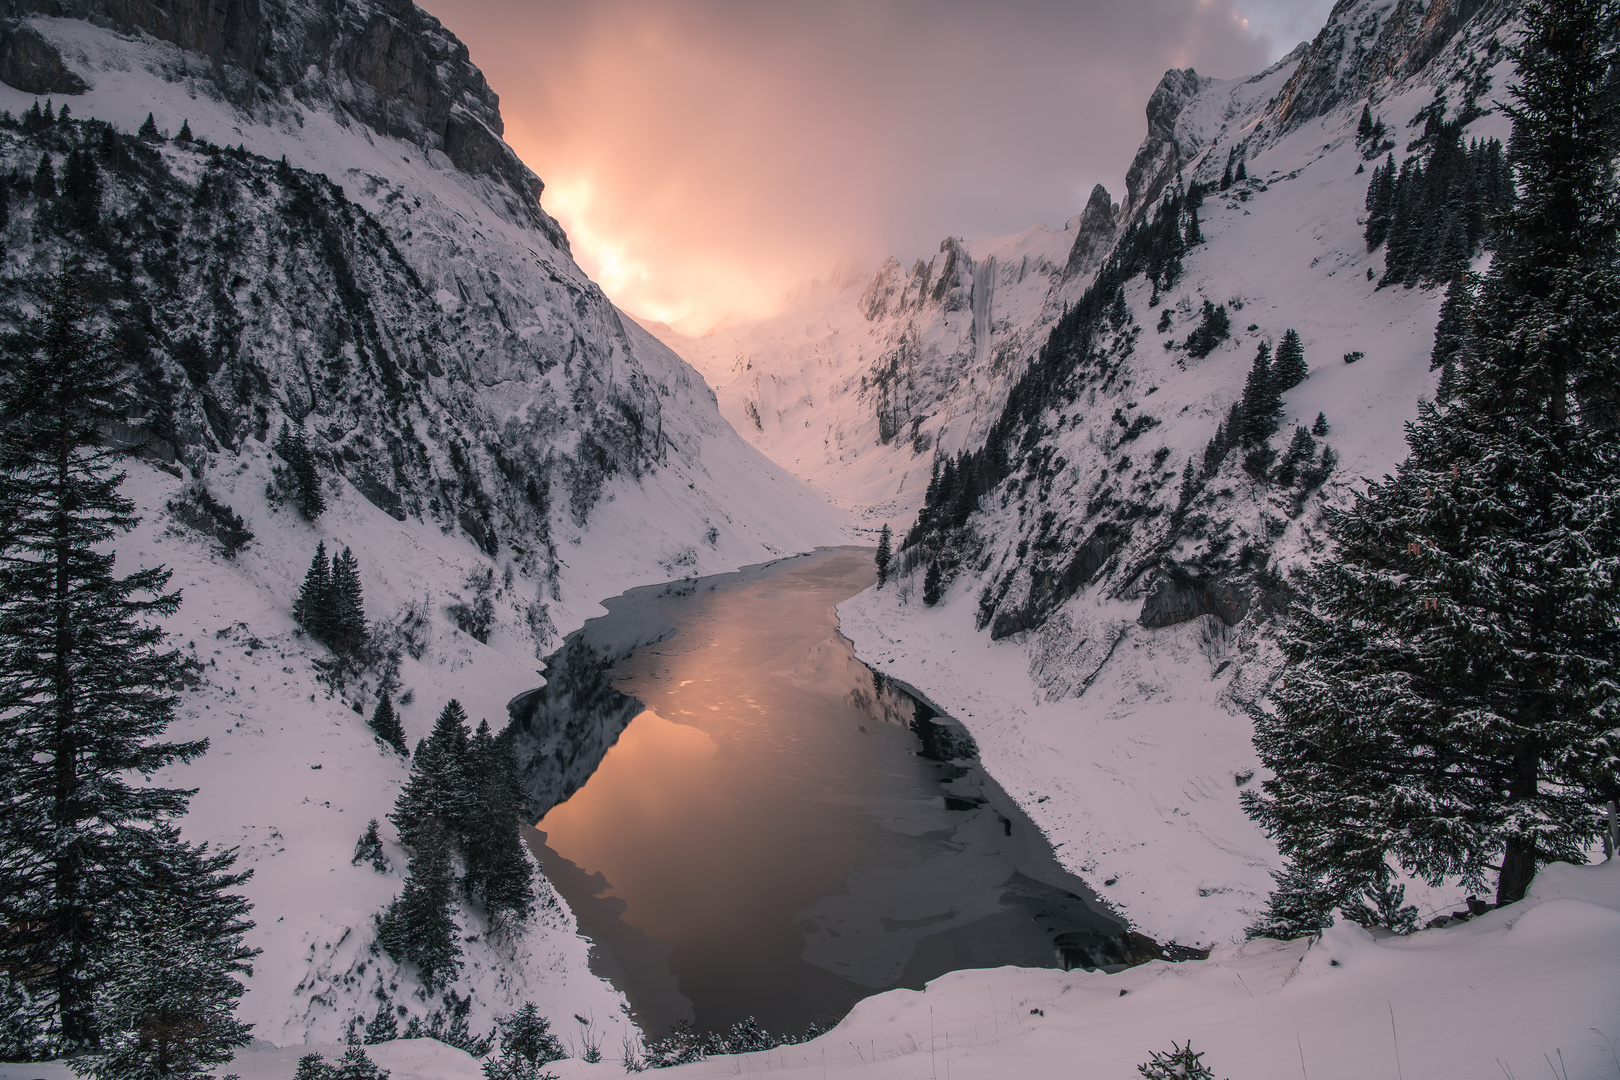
point(707, 155)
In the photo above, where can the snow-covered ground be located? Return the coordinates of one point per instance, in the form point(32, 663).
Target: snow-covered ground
point(1522, 992)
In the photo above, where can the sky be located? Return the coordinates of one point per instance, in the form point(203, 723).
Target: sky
point(705, 156)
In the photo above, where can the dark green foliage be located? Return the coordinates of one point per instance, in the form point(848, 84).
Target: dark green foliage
point(1320, 427)
point(932, 588)
point(1226, 177)
point(369, 849)
point(419, 925)
point(1164, 321)
point(184, 134)
point(148, 130)
point(1213, 328)
point(383, 1027)
point(305, 479)
point(329, 605)
point(199, 509)
point(1435, 214)
point(499, 873)
point(476, 617)
point(86, 687)
point(1242, 170)
point(44, 186)
point(526, 1044)
point(1364, 127)
point(1301, 451)
point(348, 618)
point(439, 788)
point(81, 190)
point(353, 1065)
point(1262, 401)
point(1456, 313)
point(313, 608)
point(1181, 1063)
point(683, 1045)
point(1449, 708)
point(385, 723)
point(885, 553)
point(1288, 370)
point(164, 1003)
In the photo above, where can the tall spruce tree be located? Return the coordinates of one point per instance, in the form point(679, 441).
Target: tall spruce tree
point(499, 874)
point(294, 449)
point(385, 723)
point(314, 608)
point(1262, 400)
point(885, 553)
point(165, 1003)
point(419, 926)
point(1288, 370)
point(1450, 705)
point(349, 629)
point(439, 787)
point(86, 689)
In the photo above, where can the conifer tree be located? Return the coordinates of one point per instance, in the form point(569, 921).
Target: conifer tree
point(1288, 370)
point(1380, 204)
point(148, 130)
point(419, 926)
point(932, 591)
point(385, 722)
point(1364, 127)
point(885, 553)
point(1262, 400)
point(1449, 706)
point(348, 613)
point(438, 788)
point(369, 849)
point(498, 870)
point(45, 178)
point(313, 609)
point(1242, 170)
point(184, 134)
point(306, 478)
point(164, 1004)
point(85, 686)
point(81, 187)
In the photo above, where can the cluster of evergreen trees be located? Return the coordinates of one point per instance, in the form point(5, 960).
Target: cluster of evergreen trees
point(1154, 247)
point(1435, 214)
point(462, 804)
point(300, 476)
point(1255, 417)
point(329, 606)
point(119, 942)
point(1449, 708)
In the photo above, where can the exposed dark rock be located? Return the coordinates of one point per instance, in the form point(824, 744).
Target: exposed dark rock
point(1049, 589)
point(1177, 597)
point(1161, 156)
point(32, 64)
point(1096, 232)
point(386, 63)
point(1358, 48)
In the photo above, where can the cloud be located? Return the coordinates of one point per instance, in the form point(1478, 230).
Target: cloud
point(706, 155)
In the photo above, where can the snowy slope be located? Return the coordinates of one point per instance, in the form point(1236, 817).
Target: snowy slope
point(474, 401)
point(1519, 992)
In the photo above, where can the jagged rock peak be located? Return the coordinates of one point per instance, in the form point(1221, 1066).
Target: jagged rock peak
point(386, 63)
point(1367, 41)
point(1096, 232)
point(1160, 156)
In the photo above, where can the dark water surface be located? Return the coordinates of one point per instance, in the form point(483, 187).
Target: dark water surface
point(771, 830)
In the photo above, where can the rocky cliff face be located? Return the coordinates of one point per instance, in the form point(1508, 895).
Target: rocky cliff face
point(1367, 42)
point(386, 63)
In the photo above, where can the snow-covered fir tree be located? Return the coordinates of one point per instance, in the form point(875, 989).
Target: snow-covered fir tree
point(86, 691)
point(1450, 705)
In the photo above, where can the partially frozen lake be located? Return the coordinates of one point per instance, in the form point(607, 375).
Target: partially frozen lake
point(764, 828)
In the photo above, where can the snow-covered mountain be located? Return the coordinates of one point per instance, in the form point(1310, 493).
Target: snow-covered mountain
point(1106, 623)
point(345, 246)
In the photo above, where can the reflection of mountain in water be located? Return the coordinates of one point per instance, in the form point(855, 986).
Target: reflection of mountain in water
point(562, 730)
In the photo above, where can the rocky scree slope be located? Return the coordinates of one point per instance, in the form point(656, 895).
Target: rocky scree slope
point(345, 248)
point(1109, 569)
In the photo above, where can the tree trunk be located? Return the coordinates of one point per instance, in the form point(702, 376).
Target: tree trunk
point(1518, 867)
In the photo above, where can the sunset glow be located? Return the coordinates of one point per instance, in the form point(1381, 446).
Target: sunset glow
point(707, 157)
